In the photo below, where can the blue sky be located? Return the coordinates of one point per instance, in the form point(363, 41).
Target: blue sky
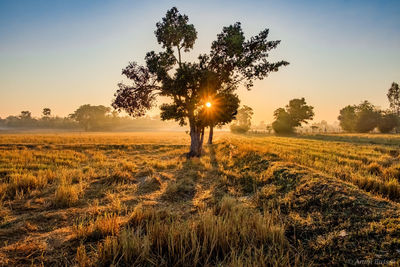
point(61, 54)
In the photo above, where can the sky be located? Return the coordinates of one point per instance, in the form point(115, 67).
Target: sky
point(62, 54)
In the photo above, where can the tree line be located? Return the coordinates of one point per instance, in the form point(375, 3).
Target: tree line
point(86, 117)
point(361, 118)
point(365, 117)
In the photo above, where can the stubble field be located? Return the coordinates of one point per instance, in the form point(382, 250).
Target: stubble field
point(135, 200)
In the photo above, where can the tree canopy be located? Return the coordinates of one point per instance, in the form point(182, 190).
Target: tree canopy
point(293, 115)
point(231, 62)
point(359, 118)
point(91, 117)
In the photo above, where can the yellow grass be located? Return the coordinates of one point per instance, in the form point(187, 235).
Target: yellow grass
point(135, 200)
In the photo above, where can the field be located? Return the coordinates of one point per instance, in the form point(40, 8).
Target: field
point(135, 200)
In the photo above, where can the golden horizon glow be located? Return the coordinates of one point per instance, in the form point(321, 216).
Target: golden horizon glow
point(208, 104)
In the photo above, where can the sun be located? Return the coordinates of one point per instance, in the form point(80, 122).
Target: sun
point(208, 104)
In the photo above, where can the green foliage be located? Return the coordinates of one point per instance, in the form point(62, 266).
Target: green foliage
point(293, 115)
point(214, 77)
point(362, 118)
point(347, 118)
point(283, 121)
point(387, 122)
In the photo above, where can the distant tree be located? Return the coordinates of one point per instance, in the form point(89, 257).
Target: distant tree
point(367, 117)
point(91, 117)
point(46, 112)
point(361, 118)
point(347, 118)
point(387, 122)
point(394, 98)
point(232, 61)
point(314, 127)
point(293, 115)
point(283, 122)
point(25, 115)
point(324, 126)
point(242, 123)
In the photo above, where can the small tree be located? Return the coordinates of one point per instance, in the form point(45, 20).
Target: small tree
point(232, 61)
point(242, 123)
point(347, 118)
point(91, 117)
point(46, 112)
point(293, 115)
point(25, 115)
point(367, 117)
point(394, 98)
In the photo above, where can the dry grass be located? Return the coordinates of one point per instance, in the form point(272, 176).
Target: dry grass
point(134, 200)
point(230, 233)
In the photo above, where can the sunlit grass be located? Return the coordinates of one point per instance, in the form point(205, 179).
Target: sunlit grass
point(134, 199)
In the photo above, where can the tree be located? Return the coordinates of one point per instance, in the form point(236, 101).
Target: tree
point(91, 117)
point(25, 115)
point(347, 118)
point(387, 122)
point(293, 115)
point(243, 120)
point(232, 61)
point(46, 112)
point(361, 118)
point(394, 98)
point(367, 117)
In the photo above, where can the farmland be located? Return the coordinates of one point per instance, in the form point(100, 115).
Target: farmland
point(251, 200)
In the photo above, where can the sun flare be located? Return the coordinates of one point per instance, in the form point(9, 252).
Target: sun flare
point(208, 104)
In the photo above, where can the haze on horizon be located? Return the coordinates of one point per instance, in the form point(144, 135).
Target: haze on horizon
point(64, 54)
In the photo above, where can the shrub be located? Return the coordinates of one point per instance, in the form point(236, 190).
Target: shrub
point(387, 122)
point(239, 128)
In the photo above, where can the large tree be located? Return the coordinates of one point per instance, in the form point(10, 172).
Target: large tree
point(293, 115)
point(232, 61)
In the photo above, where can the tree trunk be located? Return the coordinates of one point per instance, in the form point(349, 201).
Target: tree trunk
point(195, 142)
point(210, 135)
point(202, 137)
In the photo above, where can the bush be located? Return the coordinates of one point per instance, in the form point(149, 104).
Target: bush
point(387, 122)
point(239, 128)
point(362, 118)
point(282, 127)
